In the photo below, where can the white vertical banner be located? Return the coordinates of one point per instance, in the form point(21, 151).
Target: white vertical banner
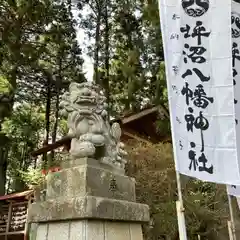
point(235, 24)
point(198, 57)
point(233, 190)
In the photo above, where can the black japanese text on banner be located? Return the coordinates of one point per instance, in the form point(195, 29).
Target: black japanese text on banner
point(198, 56)
point(235, 25)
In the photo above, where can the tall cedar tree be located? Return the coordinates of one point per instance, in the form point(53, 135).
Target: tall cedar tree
point(39, 57)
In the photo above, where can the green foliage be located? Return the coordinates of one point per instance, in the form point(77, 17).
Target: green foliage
point(39, 57)
point(129, 61)
point(32, 177)
point(23, 130)
point(26, 119)
point(205, 203)
point(5, 86)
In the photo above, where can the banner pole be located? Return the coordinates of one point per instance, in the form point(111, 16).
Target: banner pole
point(231, 225)
point(180, 210)
point(179, 203)
point(230, 230)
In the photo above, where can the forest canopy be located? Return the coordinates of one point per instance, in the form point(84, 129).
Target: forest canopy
point(40, 55)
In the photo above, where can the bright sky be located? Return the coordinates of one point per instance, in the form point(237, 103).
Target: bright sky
point(88, 62)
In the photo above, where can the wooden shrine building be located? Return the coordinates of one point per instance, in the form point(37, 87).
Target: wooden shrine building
point(139, 126)
point(13, 215)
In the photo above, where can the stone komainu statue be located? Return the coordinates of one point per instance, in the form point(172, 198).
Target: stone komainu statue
point(89, 127)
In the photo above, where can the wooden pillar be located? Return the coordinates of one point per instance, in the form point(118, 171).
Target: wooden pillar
point(9, 220)
point(27, 223)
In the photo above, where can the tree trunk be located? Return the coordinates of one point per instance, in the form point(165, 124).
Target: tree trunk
point(4, 147)
point(97, 47)
point(15, 47)
point(58, 86)
point(47, 117)
point(6, 110)
point(55, 127)
point(48, 111)
point(18, 183)
point(106, 40)
point(130, 47)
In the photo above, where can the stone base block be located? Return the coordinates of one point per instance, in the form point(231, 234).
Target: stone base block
point(86, 180)
point(88, 230)
point(88, 207)
point(88, 200)
point(70, 163)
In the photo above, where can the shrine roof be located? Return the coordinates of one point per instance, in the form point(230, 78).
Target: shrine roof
point(16, 195)
point(139, 126)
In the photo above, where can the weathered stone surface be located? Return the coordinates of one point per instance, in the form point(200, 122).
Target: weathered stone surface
point(89, 230)
point(58, 230)
point(104, 183)
point(42, 231)
point(136, 231)
point(117, 231)
point(70, 163)
point(78, 230)
point(90, 198)
point(95, 230)
point(88, 207)
point(32, 231)
point(90, 181)
point(89, 127)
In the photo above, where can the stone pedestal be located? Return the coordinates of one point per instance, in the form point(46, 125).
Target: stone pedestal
point(86, 200)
